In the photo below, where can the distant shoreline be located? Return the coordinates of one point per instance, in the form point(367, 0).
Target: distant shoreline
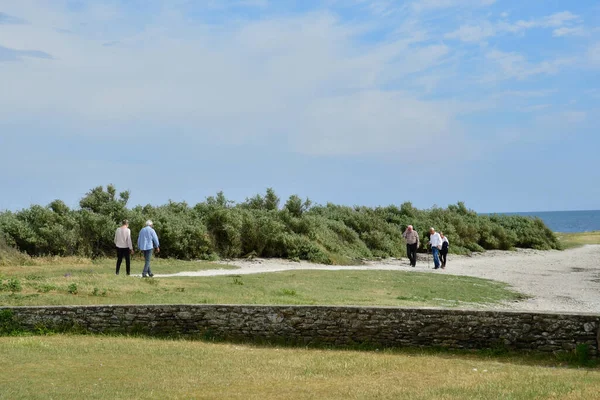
point(580, 221)
point(536, 212)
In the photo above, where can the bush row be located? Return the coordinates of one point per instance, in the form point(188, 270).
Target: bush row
point(261, 226)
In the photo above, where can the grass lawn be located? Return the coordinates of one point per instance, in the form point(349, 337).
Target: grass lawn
point(570, 240)
point(96, 283)
point(96, 367)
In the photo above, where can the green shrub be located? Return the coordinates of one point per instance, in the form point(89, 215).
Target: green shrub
point(72, 288)
point(237, 281)
point(10, 255)
point(261, 233)
point(9, 324)
point(12, 285)
point(225, 225)
point(219, 228)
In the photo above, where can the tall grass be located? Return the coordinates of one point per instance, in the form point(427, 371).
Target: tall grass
point(260, 226)
point(11, 256)
point(571, 240)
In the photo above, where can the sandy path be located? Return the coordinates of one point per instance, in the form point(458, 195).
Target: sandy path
point(557, 280)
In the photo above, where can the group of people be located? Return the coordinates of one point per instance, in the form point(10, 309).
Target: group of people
point(147, 242)
point(438, 242)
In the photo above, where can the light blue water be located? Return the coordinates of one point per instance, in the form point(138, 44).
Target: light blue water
point(568, 221)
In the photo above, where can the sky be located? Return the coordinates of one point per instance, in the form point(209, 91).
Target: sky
point(356, 102)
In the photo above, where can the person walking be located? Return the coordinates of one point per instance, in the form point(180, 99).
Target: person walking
point(444, 250)
point(147, 241)
point(412, 244)
point(435, 241)
point(124, 246)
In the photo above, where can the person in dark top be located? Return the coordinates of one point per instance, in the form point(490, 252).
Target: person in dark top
point(444, 250)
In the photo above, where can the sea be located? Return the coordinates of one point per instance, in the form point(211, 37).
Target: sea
point(567, 221)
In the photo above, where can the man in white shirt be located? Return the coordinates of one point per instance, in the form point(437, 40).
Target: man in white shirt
point(124, 246)
point(435, 241)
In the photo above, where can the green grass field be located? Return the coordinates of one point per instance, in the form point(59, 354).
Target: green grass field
point(96, 283)
point(117, 367)
point(571, 240)
point(93, 367)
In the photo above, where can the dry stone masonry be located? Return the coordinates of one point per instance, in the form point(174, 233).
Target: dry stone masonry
point(325, 325)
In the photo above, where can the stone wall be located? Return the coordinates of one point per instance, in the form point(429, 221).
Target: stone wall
point(381, 326)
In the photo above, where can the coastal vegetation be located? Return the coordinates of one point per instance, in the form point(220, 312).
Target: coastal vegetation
point(261, 226)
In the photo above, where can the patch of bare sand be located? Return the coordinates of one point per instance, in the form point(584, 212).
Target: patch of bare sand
point(555, 280)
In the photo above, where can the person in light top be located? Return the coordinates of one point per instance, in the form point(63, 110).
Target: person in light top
point(435, 241)
point(444, 250)
point(147, 241)
point(124, 246)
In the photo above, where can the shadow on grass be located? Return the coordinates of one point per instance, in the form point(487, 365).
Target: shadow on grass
point(580, 358)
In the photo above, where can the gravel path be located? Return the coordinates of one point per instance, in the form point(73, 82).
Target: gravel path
point(556, 280)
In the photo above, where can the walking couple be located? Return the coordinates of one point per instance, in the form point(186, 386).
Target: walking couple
point(147, 241)
point(439, 246)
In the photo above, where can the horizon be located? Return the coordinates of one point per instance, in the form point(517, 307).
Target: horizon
point(75, 204)
point(368, 102)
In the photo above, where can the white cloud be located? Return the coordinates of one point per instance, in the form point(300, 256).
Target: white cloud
point(555, 20)
point(229, 4)
point(303, 79)
point(558, 19)
point(473, 33)
point(566, 31)
point(477, 32)
point(428, 5)
point(382, 8)
point(377, 122)
point(309, 80)
point(512, 65)
point(535, 108)
point(253, 3)
point(525, 93)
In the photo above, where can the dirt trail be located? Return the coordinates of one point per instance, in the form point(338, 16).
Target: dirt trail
point(557, 280)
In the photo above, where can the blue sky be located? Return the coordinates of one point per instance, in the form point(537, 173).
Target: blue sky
point(491, 102)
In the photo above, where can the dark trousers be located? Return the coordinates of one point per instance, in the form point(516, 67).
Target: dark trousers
point(411, 253)
point(443, 254)
point(123, 253)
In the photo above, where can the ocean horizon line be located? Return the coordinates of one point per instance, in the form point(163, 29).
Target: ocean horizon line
point(535, 212)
